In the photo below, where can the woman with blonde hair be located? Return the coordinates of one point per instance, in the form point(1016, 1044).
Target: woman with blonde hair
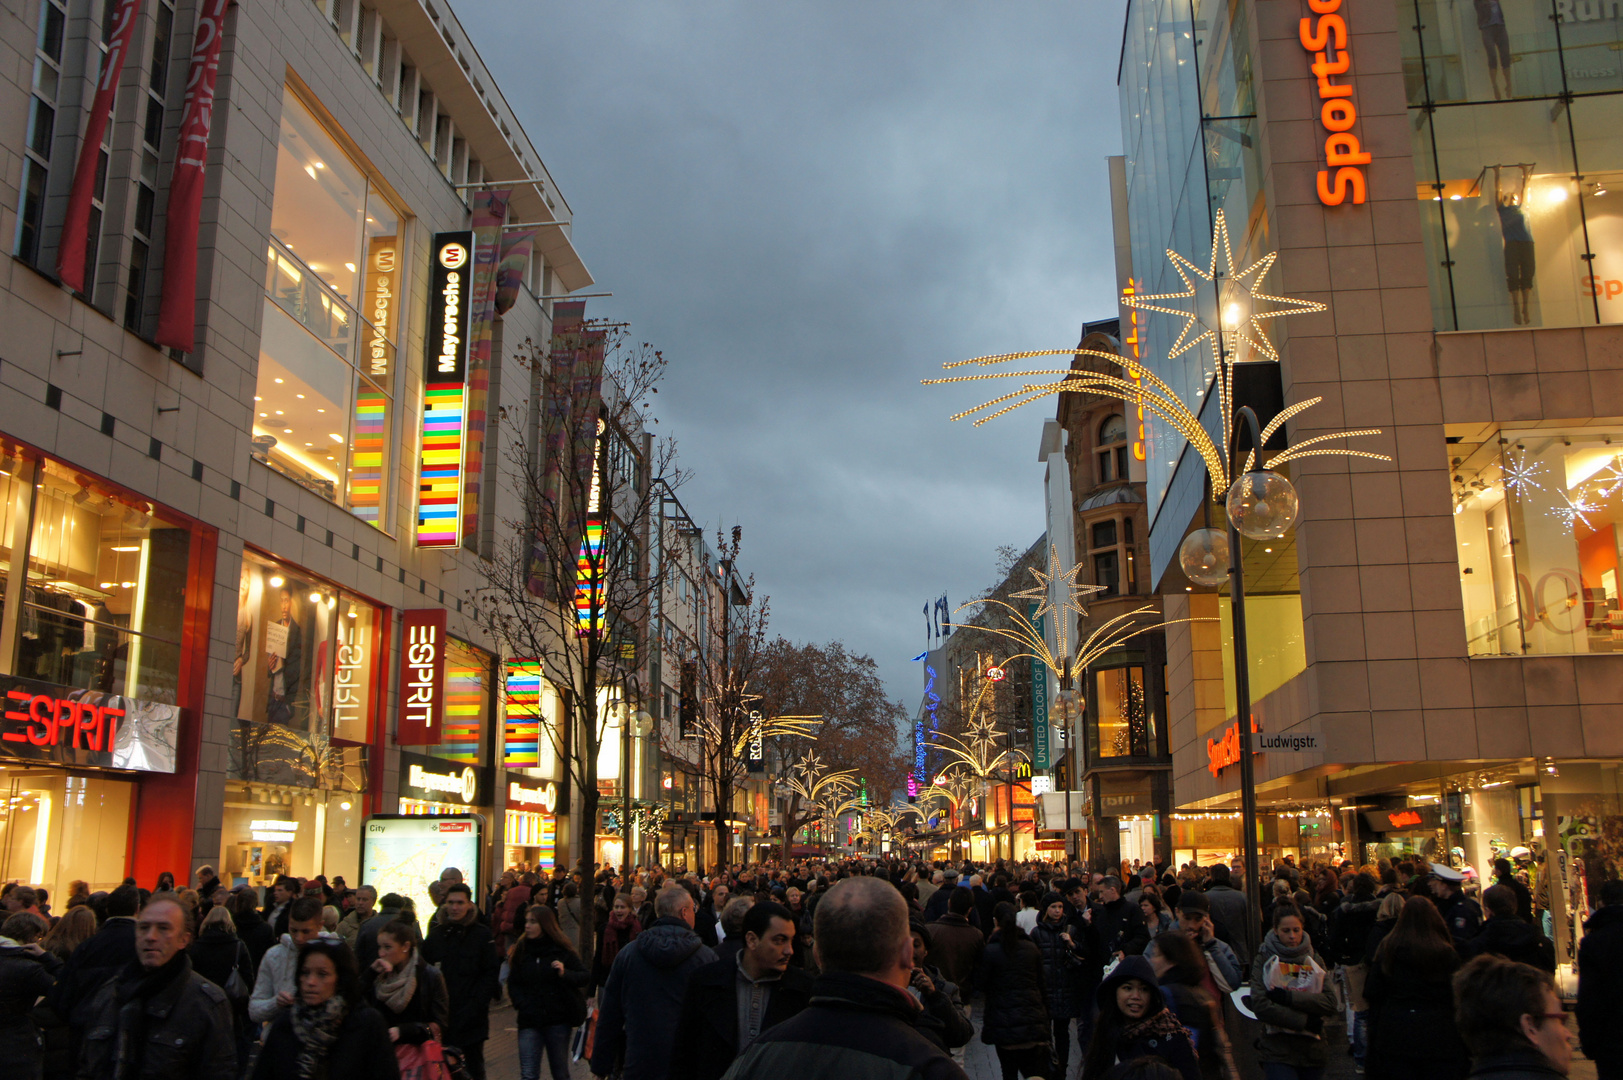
point(222, 958)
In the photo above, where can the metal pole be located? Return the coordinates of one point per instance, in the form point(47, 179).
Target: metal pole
point(1242, 702)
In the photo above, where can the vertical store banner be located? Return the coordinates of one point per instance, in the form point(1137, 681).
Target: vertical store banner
point(422, 678)
point(177, 312)
point(569, 424)
point(517, 247)
point(445, 391)
point(489, 214)
point(1039, 701)
point(70, 252)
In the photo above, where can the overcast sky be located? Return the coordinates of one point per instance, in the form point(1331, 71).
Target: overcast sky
point(809, 206)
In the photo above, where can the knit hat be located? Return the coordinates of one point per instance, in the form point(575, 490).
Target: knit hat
point(1050, 898)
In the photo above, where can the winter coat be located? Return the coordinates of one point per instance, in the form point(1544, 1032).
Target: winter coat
point(569, 917)
point(1350, 925)
point(254, 932)
point(855, 1028)
point(1296, 1044)
point(956, 947)
point(707, 1029)
point(349, 928)
point(361, 1052)
point(1231, 919)
point(102, 956)
point(541, 997)
point(277, 975)
point(159, 1026)
point(1011, 977)
point(1462, 916)
point(1519, 1065)
point(944, 1021)
point(1063, 966)
point(1524, 899)
point(24, 979)
point(429, 1004)
point(1176, 1048)
point(1600, 987)
point(509, 916)
point(639, 1005)
point(1411, 1022)
point(1120, 926)
point(465, 953)
point(1514, 940)
point(217, 953)
point(936, 906)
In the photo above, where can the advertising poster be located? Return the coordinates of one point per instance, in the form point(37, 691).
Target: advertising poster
point(402, 854)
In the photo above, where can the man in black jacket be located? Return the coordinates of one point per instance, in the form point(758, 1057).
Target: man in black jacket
point(1507, 936)
point(159, 1019)
point(758, 989)
point(1120, 925)
point(860, 1023)
point(104, 955)
point(465, 951)
point(1600, 984)
point(640, 1004)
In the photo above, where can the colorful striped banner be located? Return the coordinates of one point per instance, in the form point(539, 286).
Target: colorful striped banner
point(522, 742)
point(366, 452)
point(440, 471)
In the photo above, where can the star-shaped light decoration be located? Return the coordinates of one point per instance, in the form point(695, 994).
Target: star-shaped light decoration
point(1573, 510)
point(1042, 592)
point(1241, 307)
point(1521, 476)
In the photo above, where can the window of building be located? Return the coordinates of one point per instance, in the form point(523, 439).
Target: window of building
point(1536, 522)
point(324, 403)
point(1110, 548)
point(1518, 143)
point(1122, 723)
point(1111, 452)
point(40, 139)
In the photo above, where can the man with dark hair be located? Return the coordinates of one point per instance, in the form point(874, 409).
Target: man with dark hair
point(1511, 1020)
point(159, 1019)
point(104, 955)
point(955, 945)
point(1600, 984)
point(640, 1003)
point(861, 1019)
point(1120, 925)
point(1504, 875)
point(366, 939)
point(276, 986)
point(1231, 918)
point(729, 1003)
point(465, 951)
point(1507, 936)
point(283, 891)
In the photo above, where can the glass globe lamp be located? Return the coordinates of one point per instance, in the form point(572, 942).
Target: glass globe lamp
point(1204, 557)
point(1262, 505)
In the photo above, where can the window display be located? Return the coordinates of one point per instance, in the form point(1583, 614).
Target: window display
point(56, 827)
point(323, 403)
point(304, 678)
point(1536, 516)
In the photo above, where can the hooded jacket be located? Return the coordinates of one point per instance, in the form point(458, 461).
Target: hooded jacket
point(1600, 987)
point(639, 1005)
point(1514, 940)
point(855, 1028)
point(1176, 1048)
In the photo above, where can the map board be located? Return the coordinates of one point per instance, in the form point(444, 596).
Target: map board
point(403, 853)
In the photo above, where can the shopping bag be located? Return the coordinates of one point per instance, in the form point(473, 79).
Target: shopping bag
point(422, 1061)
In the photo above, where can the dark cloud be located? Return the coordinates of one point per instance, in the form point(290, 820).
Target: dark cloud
point(809, 207)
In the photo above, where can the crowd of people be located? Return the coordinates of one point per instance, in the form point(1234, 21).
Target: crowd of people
point(839, 969)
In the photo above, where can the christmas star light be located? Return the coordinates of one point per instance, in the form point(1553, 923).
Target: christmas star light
point(1573, 510)
point(1521, 476)
point(1066, 579)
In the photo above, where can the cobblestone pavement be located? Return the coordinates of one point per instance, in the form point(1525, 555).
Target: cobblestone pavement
point(977, 1059)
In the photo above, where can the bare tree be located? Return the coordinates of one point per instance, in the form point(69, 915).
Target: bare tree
point(567, 586)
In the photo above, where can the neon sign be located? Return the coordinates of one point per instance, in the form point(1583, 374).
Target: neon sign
point(445, 394)
point(1327, 42)
point(1404, 819)
point(521, 748)
point(545, 797)
point(1221, 753)
point(422, 678)
point(589, 600)
point(347, 699)
point(1134, 372)
point(44, 722)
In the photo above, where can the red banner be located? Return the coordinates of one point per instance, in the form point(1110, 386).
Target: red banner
point(70, 252)
point(422, 678)
point(177, 313)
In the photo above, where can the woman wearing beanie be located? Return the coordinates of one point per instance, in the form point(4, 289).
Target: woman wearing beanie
point(1134, 1022)
point(1067, 951)
point(1290, 996)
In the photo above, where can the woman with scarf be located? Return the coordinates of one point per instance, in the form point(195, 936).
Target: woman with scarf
point(1291, 999)
point(409, 994)
point(1134, 1022)
point(621, 929)
point(544, 982)
point(329, 1032)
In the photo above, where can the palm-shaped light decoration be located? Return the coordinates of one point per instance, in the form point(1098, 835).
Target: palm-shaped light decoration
point(806, 778)
point(1261, 503)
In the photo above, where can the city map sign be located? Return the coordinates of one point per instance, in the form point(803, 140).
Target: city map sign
point(402, 853)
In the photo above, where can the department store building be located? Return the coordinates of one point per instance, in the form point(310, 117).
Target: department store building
point(217, 539)
point(1448, 180)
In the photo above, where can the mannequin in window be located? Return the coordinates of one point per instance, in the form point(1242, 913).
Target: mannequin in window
point(1519, 264)
point(285, 670)
point(1490, 23)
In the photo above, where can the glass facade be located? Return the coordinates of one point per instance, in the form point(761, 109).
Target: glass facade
point(324, 403)
point(1518, 144)
point(1536, 518)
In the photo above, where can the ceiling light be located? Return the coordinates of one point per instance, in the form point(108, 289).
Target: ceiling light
point(315, 598)
point(278, 380)
point(1558, 194)
point(335, 438)
point(264, 414)
point(287, 431)
point(278, 412)
point(299, 396)
point(258, 398)
point(276, 581)
point(131, 547)
point(321, 165)
point(1455, 198)
point(321, 410)
point(350, 267)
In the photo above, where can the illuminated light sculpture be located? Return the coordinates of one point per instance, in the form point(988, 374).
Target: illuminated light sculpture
point(1521, 476)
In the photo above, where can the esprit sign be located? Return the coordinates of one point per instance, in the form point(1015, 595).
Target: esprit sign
point(422, 677)
point(348, 673)
point(48, 723)
point(1221, 753)
point(545, 797)
point(1326, 40)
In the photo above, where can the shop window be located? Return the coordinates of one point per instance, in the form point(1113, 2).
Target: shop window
point(1111, 452)
point(323, 404)
point(106, 584)
point(1122, 723)
point(304, 679)
point(1275, 642)
point(1536, 521)
point(56, 827)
